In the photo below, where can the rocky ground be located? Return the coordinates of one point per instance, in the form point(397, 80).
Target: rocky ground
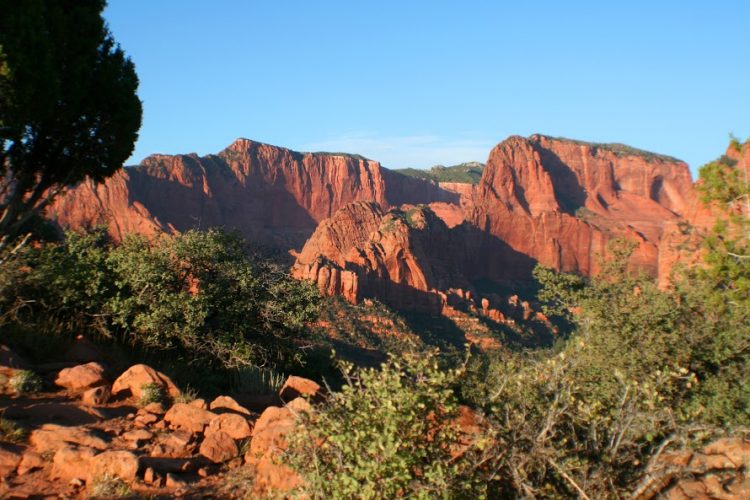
point(87, 434)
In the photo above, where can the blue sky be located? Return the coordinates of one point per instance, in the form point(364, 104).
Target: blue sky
point(413, 83)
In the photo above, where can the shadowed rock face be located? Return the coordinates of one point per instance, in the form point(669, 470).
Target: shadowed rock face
point(385, 235)
point(272, 195)
point(560, 201)
point(540, 199)
point(404, 257)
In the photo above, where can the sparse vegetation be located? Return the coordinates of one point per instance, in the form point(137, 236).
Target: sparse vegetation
point(186, 395)
point(389, 433)
point(108, 486)
point(201, 297)
point(25, 381)
point(11, 432)
point(151, 393)
point(256, 380)
point(468, 173)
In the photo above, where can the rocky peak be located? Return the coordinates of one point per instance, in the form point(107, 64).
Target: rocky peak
point(272, 195)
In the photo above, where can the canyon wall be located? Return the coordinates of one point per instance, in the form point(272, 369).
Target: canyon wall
point(361, 230)
point(272, 195)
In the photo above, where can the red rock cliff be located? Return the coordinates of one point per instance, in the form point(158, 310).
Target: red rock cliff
point(272, 195)
point(560, 201)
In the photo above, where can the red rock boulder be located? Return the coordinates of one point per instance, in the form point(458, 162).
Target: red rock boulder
point(82, 376)
point(137, 376)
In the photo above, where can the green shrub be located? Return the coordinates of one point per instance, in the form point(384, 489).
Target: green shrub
point(198, 298)
point(25, 381)
point(11, 432)
point(388, 433)
point(151, 393)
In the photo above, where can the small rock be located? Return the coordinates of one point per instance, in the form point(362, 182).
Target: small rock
point(219, 447)
point(145, 419)
point(118, 463)
point(174, 481)
point(9, 460)
point(137, 435)
point(52, 437)
point(148, 476)
point(135, 377)
point(235, 425)
point(295, 387)
point(96, 396)
point(76, 482)
point(203, 472)
point(225, 402)
point(72, 462)
point(157, 408)
point(81, 376)
point(190, 418)
point(199, 403)
point(173, 445)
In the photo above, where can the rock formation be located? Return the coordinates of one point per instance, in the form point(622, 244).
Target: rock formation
point(560, 201)
point(540, 199)
point(406, 240)
point(273, 196)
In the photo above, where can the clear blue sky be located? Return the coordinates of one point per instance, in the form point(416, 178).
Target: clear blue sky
point(414, 83)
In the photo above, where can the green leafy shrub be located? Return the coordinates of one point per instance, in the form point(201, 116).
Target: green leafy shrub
point(25, 381)
point(198, 298)
point(388, 433)
point(642, 370)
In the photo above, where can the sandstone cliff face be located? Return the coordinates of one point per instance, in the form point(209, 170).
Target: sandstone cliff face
point(272, 195)
point(410, 242)
point(408, 258)
point(540, 199)
point(681, 239)
point(403, 257)
point(560, 202)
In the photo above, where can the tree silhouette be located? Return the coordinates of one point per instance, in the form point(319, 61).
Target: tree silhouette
point(68, 104)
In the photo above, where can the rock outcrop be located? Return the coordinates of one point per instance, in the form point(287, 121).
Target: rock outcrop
point(402, 257)
point(540, 199)
point(559, 202)
point(360, 230)
point(272, 195)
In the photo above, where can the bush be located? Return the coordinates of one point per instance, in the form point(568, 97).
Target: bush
point(11, 432)
point(388, 433)
point(25, 381)
point(199, 298)
point(642, 370)
point(151, 393)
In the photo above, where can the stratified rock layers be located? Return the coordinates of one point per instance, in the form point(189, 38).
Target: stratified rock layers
point(273, 196)
point(371, 232)
point(540, 199)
